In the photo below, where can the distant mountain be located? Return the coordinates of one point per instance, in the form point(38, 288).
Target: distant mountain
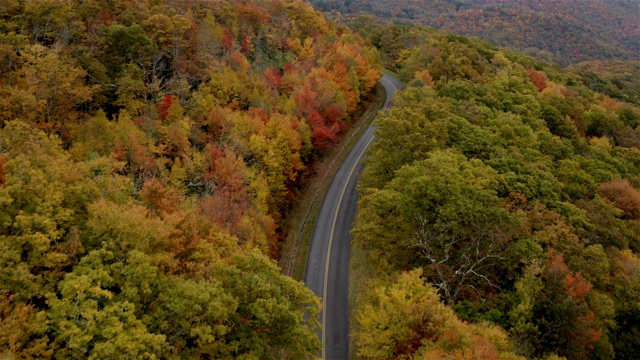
point(563, 31)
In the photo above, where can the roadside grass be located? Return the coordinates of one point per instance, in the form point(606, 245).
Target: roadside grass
point(365, 275)
point(389, 72)
point(301, 220)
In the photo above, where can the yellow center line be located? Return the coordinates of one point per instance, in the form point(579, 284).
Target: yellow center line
point(387, 80)
point(333, 228)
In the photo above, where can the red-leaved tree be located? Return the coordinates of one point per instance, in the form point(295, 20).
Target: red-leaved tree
point(538, 78)
point(624, 196)
point(163, 108)
point(562, 314)
point(3, 178)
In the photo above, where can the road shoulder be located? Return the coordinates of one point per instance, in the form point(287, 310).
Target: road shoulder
point(301, 218)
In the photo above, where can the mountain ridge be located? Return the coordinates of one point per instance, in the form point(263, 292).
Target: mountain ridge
point(612, 25)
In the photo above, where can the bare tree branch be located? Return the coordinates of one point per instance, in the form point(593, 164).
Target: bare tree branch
point(458, 258)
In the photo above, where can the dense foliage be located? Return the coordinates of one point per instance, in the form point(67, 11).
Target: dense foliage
point(408, 319)
point(564, 31)
point(616, 78)
point(515, 189)
point(148, 151)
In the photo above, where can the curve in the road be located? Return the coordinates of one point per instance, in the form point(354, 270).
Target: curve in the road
point(327, 268)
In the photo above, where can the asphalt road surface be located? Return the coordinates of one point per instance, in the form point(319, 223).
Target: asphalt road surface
point(327, 269)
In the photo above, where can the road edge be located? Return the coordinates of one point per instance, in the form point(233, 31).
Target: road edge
point(296, 247)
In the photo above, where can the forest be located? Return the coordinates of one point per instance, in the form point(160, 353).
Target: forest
point(561, 31)
point(499, 211)
point(615, 78)
point(149, 153)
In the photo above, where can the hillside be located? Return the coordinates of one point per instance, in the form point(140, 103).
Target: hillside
point(618, 79)
point(509, 188)
point(565, 31)
point(148, 153)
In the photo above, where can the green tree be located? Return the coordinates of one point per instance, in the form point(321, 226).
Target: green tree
point(554, 315)
point(415, 123)
point(276, 315)
point(95, 318)
point(443, 212)
point(625, 280)
point(124, 45)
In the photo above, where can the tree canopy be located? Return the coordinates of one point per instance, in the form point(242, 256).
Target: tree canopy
point(149, 151)
point(513, 189)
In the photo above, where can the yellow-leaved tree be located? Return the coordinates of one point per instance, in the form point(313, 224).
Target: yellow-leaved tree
point(406, 320)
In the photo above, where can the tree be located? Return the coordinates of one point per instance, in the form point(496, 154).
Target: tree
point(399, 317)
point(276, 315)
point(415, 123)
point(624, 196)
point(321, 102)
point(601, 122)
point(559, 316)
point(23, 330)
point(186, 282)
point(446, 215)
point(3, 178)
point(406, 320)
point(91, 320)
point(49, 21)
point(625, 273)
point(44, 205)
point(538, 78)
point(124, 45)
point(278, 145)
point(47, 90)
point(558, 124)
point(194, 316)
point(229, 202)
point(131, 146)
point(159, 200)
point(96, 136)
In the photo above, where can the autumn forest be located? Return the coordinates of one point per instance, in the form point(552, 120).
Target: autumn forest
point(148, 152)
point(506, 189)
point(152, 151)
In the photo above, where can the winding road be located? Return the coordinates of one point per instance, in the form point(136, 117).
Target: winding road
point(327, 268)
